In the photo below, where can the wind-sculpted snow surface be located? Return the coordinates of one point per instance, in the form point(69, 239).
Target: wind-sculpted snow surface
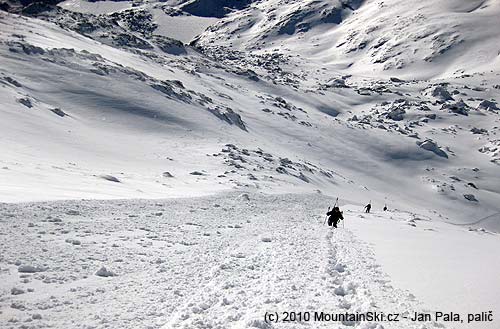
point(214, 262)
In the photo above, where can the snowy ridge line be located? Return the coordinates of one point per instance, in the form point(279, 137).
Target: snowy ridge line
point(475, 222)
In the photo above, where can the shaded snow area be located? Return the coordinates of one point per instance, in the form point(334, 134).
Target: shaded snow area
point(224, 261)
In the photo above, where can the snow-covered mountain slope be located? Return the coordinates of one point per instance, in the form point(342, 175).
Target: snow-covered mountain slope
point(84, 106)
point(213, 110)
point(376, 38)
point(224, 261)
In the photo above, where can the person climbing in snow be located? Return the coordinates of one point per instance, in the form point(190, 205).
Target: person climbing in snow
point(368, 207)
point(335, 216)
point(385, 207)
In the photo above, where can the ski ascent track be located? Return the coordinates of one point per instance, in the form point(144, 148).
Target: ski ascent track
point(213, 262)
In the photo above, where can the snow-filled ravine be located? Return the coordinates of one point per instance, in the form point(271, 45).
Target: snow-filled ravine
point(224, 261)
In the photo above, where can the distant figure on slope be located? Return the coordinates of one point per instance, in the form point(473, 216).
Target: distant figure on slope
point(335, 216)
point(385, 207)
point(368, 207)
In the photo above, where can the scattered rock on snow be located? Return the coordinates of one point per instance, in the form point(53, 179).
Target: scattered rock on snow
point(244, 197)
point(250, 74)
point(110, 178)
point(197, 173)
point(459, 107)
point(472, 185)
point(168, 45)
point(432, 146)
point(396, 114)
point(394, 79)
point(266, 239)
point(59, 112)
point(488, 106)
point(229, 116)
point(26, 102)
point(470, 197)
point(238, 255)
point(30, 269)
point(441, 93)
point(336, 83)
point(103, 272)
point(339, 268)
point(16, 291)
point(478, 131)
point(12, 81)
point(492, 149)
point(18, 306)
point(28, 49)
point(259, 324)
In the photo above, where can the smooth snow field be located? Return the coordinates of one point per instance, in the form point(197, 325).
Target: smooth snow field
point(224, 261)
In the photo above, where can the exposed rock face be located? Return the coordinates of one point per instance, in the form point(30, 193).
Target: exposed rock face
point(441, 94)
point(28, 6)
point(168, 45)
point(396, 114)
point(103, 272)
point(478, 131)
point(229, 116)
point(470, 197)
point(214, 8)
point(430, 145)
point(488, 106)
point(493, 150)
point(459, 107)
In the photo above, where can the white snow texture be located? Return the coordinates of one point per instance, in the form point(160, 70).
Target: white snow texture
point(168, 164)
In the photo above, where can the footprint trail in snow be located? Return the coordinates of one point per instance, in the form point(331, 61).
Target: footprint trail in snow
point(211, 262)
